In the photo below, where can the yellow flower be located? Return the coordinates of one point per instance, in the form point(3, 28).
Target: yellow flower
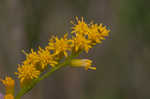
point(8, 96)
point(94, 34)
point(103, 31)
point(27, 72)
point(59, 46)
point(81, 27)
point(85, 63)
point(97, 33)
point(9, 85)
point(45, 58)
point(79, 42)
point(31, 58)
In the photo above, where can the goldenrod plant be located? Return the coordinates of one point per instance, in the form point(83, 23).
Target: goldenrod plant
point(59, 53)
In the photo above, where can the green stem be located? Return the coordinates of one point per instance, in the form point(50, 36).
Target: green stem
point(26, 89)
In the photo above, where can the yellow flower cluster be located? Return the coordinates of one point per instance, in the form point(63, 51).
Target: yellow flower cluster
point(91, 34)
point(9, 84)
point(84, 37)
point(34, 64)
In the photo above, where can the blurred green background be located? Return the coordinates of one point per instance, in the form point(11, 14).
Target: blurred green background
point(122, 61)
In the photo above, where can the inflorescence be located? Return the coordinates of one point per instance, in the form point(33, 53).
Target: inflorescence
point(83, 37)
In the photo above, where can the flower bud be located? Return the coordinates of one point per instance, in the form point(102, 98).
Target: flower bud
point(85, 63)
